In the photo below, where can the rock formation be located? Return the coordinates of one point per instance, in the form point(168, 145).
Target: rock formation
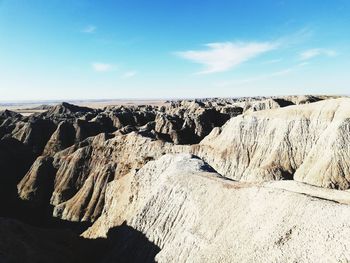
point(307, 142)
point(256, 146)
point(195, 215)
point(83, 174)
point(37, 185)
point(224, 179)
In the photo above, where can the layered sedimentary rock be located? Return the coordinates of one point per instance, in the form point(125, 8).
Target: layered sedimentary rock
point(194, 214)
point(63, 137)
point(273, 144)
point(67, 109)
point(85, 165)
point(84, 173)
point(37, 185)
point(248, 193)
point(187, 122)
point(309, 143)
point(8, 120)
point(34, 133)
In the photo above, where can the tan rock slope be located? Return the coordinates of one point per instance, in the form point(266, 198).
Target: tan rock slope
point(269, 185)
point(262, 145)
point(195, 215)
point(83, 174)
point(309, 143)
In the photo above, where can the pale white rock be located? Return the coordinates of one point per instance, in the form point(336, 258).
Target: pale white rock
point(309, 142)
point(195, 215)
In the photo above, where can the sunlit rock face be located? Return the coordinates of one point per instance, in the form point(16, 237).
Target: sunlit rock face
point(255, 146)
point(308, 143)
point(229, 180)
point(194, 214)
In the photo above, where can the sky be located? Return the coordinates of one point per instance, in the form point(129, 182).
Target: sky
point(85, 49)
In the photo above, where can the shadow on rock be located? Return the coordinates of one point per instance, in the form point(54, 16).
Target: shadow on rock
point(130, 245)
point(20, 242)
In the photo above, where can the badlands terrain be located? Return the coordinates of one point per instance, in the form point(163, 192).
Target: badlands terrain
point(263, 179)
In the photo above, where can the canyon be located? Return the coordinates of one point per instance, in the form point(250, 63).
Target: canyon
point(257, 179)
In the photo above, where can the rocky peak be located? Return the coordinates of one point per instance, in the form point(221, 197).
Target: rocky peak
point(67, 108)
point(9, 114)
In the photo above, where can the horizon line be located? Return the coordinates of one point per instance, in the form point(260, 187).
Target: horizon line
point(31, 101)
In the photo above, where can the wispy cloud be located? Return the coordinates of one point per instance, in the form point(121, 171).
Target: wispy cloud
point(303, 64)
point(311, 53)
point(89, 29)
point(262, 77)
point(219, 57)
point(272, 61)
point(101, 67)
point(129, 74)
point(282, 72)
point(298, 37)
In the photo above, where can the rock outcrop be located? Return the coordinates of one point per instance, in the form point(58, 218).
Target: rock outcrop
point(225, 179)
point(37, 184)
point(83, 173)
point(308, 143)
point(63, 137)
point(256, 146)
point(195, 215)
point(34, 133)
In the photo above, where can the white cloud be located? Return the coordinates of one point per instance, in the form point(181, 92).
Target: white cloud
point(303, 64)
point(223, 56)
point(311, 53)
point(272, 61)
point(258, 78)
point(89, 29)
point(281, 72)
point(102, 67)
point(129, 74)
point(296, 38)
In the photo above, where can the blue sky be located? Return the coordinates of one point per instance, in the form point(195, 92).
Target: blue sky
point(60, 49)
